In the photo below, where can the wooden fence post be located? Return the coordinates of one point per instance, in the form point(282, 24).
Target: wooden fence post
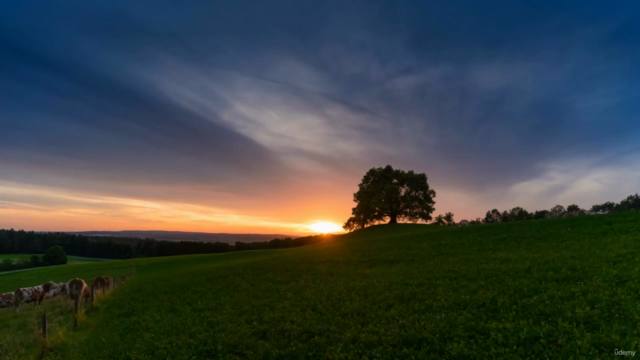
point(44, 327)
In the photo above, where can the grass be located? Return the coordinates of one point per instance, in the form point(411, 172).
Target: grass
point(19, 334)
point(557, 288)
point(71, 260)
point(81, 260)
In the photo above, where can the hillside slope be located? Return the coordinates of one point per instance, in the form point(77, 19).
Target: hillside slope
point(558, 288)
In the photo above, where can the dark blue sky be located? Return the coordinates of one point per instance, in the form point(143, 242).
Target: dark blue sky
point(271, 111)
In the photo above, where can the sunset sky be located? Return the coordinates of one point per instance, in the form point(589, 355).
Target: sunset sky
point(262, 116)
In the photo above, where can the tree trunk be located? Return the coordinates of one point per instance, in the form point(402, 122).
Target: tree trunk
point(392, 219)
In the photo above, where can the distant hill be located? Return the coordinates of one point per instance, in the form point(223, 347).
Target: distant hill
point(186, 236)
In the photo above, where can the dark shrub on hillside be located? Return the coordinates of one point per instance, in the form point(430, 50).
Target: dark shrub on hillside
point(55, 255)
point(35, 260)
point(6, 265)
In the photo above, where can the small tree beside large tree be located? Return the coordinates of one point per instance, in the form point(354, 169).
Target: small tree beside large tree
point(388, 194)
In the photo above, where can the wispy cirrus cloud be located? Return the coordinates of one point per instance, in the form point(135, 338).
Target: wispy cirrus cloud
point(274, 111)
point(90, 210)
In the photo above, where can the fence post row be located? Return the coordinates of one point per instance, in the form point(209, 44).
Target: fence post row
point(117, 280)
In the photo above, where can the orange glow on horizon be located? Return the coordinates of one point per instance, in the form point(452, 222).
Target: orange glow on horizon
point(325, 227)
point(44, 209)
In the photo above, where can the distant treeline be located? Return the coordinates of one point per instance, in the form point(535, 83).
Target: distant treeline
point(631, 202)
point(29, 242)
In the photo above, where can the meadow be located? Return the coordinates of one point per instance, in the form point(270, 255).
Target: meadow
point(555, 288)
point(71, 260)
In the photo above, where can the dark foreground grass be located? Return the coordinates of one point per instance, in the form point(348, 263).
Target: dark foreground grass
point(558, 289)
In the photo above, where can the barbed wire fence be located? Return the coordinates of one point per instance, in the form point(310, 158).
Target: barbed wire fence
point(35, 329)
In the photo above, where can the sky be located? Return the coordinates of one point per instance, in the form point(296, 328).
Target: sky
point(260, 116)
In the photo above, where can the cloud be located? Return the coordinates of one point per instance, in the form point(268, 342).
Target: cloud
point(259, 107)
point(47, 205)
point(579, 182)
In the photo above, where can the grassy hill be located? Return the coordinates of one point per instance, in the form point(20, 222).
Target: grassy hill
point(556, 288)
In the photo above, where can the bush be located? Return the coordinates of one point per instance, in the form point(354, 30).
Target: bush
point(6, 265)
point(35, 260)
point(55, 255)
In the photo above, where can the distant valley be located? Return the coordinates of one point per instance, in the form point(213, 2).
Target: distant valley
point(186, 236)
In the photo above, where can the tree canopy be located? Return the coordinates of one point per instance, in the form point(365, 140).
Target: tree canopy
point(632, 202)
point(55, 255)
point(573, 208)
point(393, 195)
point(557, 211)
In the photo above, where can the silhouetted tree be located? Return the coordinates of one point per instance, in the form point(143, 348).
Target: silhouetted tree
point(606, 207)
point(448, 219)
point(517, 214)
point(439, 220)
point(573, 208)
point(393, 195)
point(492, 216)
point(540, 214)
point(621, 207)
point(557, 211)
point(631, 202)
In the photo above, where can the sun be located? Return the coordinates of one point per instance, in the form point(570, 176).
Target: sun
point(324, 227)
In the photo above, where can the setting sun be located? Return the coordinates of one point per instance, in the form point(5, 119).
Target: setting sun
point(325, 227)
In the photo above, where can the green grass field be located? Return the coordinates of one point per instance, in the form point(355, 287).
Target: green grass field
point(557, 288)
point(71, 260)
